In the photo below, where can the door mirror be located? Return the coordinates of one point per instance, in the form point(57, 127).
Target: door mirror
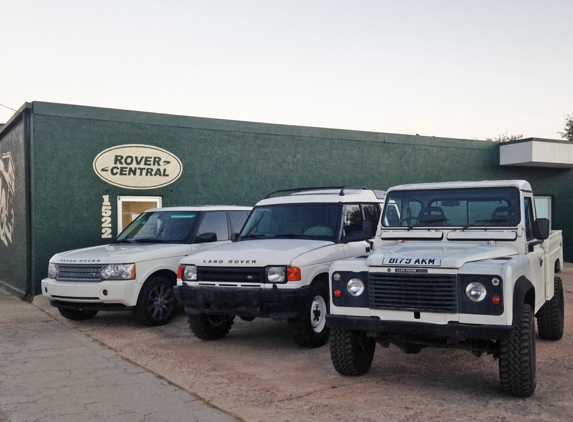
point(541, 228)
point(206, 237)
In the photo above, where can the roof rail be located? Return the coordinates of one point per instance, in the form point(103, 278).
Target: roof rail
point(296, 190)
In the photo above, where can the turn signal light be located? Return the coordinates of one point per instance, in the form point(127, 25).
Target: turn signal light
point(337, 293)
point(293, 274)
point(496, 300)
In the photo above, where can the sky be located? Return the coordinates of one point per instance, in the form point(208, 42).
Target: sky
point(470, 69)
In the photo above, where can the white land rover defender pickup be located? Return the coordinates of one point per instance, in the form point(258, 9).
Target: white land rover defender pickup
point(462, 265)
point(278, 268)
point(138, 270)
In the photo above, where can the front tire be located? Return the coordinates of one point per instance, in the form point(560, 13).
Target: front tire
point(210, 327)
point(551, 316)
point(156, 303)
point(351, 352)
point(77, 314)
point(309, 328)
point(517, 361)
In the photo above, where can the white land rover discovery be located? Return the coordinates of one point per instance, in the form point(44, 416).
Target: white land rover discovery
point(137, 271)
point(279, 266)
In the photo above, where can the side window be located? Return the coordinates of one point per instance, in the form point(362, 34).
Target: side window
point(238, 218)
point(352, 219)
point(528, 218)
point(215, 222)
point(361, 219)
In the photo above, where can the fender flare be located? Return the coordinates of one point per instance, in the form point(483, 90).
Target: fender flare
point(523, 292)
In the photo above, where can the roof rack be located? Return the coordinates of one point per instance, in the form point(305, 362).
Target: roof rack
point(341, 193)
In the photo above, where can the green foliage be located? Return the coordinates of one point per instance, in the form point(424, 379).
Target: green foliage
point(505, 138)
point(568, 134)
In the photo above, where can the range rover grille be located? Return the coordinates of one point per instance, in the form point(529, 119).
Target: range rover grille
point(416, 292)
point(79, 273)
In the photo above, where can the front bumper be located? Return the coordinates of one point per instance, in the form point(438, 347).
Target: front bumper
point(421, 329)
point(109, 292)
point(278, 304)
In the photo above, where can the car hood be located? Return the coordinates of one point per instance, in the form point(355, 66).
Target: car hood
point(436, 254)
point(256, 253)
point(120, 253)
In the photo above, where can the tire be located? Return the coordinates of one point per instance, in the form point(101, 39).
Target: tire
point(210, 327)
point(77, 314)
point(156, 302)
point(551, 316)
point(351, 352)
point(309, 328)
point(517, 365)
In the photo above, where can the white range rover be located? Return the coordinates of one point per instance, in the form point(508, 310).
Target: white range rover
point(138, 270)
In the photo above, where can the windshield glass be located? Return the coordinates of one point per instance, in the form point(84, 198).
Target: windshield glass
point(312, 221)
point(476, 207)
point(160, 227)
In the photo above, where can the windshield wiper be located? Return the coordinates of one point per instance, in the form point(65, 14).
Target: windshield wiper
point(426, 222)
point(149, 241)
point(291, 236)
point(253, 236)
point(123, 241)
point(493, 220)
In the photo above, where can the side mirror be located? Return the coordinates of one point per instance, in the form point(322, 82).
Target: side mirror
point(541, 228)
point(206, 237)
point(356, 236)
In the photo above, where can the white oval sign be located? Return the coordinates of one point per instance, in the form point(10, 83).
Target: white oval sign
point(137, 166)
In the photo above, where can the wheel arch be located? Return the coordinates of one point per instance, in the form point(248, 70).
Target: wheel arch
point(168, 274)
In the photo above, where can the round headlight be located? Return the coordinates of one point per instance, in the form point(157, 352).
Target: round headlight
point(355, 286)
point(52, 270)
point(476, 291)
point(276, 274)
point(190, 273)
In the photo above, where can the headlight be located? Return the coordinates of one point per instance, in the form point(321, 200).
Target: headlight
point(52, 270)
point(475, 291)
point(276, 274)
point(118, 272)
point(190, 273)
point(355, 286)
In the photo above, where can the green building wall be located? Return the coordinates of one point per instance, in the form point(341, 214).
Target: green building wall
point(225, 162)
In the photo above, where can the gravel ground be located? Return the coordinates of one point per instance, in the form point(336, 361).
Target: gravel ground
point(257, 373)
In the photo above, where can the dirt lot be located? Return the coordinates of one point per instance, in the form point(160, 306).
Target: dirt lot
point(257, 373)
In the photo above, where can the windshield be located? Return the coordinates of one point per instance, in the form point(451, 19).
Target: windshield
point(160, 227)
point(476, 207)
point(302, 221)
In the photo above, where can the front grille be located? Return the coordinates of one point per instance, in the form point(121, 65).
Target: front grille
point(79, 273)
point(231, 274)
point(416, 292)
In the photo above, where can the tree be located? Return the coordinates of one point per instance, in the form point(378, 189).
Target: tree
point(505, 138)
point(568, 134)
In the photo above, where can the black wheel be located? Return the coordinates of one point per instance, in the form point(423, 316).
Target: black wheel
point(156, 303)
point(517, 357)
point(309, 328)
point(351, 351)
point(551, 316)
point(77, 314)
point(211, 327)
